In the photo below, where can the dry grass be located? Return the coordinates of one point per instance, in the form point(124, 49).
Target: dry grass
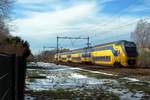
point(144, 58)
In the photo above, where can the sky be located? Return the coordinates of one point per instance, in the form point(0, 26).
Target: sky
point(41, 21)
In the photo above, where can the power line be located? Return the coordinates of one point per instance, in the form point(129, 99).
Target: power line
point(119, 14)
point(66, 37)
point(132, 5)
point(116, 28)
point(119, 27)
point(120, 34)
point(111, 37)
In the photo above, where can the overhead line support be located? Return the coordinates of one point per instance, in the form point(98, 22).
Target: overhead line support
point(58, 37)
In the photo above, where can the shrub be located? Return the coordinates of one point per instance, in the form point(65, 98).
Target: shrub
point(144, 57)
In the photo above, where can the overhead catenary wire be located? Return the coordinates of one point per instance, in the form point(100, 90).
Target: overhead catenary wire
point(119, 14)
point(116, 28)
point(119, 29)
point(131, 21)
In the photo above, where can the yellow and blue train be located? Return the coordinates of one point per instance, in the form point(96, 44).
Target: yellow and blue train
point(119, 53)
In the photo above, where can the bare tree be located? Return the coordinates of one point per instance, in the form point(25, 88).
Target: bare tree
point(5, 6)
point(141, 35)
point(8, 43)
point(4, 31)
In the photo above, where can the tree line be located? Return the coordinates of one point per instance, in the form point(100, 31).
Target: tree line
point(48, 55)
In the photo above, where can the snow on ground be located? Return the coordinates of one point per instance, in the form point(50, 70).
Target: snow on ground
point(64, 77)
point(131, 79)
point(61, 76)
point(63, 67)
point(45, 64)
point(77, 76)
point(98, 72)
point(29, 98)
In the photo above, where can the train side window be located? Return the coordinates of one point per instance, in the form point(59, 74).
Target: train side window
point(100, 59)
point(117, 52)
point(103, 58)
point(97, 58)
point(106, 58)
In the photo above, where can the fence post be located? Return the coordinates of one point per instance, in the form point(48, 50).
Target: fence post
point(21, 73)
point(13, 74)
point(12, 77)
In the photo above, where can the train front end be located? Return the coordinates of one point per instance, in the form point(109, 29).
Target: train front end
point(131, 53)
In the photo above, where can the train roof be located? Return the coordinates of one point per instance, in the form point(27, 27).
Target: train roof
point(89, 49)
point(114, 42)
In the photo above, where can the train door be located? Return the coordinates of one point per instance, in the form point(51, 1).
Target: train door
point(69, 57)
point(117, 56)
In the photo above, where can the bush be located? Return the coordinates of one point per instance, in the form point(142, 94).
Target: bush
point(144, 57)
point(15, 45)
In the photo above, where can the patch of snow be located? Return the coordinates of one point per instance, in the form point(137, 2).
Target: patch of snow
point(29, 98)
point(31, 69)
point(77, 76)
point(42, 74)
point(43, 64)
point(131, 79)
point(98, 72)
point(102, 73)
point(32, 64)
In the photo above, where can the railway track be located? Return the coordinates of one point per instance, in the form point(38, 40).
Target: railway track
point(142, 73)
point(96, 67)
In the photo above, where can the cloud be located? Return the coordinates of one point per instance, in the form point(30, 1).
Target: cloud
point(40, 27)
point(49, 23)
point(141, 7)
point(106, 1)
point(28, 6)
point(35, 1)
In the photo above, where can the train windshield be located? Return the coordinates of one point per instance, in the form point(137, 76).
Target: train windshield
point(131, 49)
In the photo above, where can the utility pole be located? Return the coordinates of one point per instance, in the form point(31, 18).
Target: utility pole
point(57, 50)
point(88, 42)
